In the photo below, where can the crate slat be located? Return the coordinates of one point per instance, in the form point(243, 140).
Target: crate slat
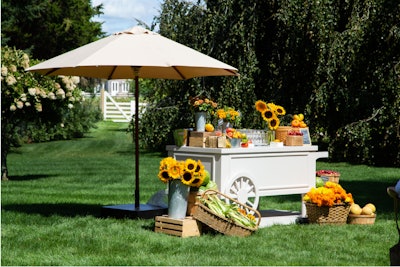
point(183, 228)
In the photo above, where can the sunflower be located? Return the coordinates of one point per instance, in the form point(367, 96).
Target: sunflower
point(167, 162)
point(198, 178)
point(270, 112)
point(190, 165)
point(267, 115)
point(274, 123)
point(261, 106)
point(190, 172)
point(200, 167)
point(163, 176)
point(187, 177)
point(175, 170)
point(279, 110)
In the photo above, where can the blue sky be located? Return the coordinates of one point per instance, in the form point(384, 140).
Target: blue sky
point(120, 15)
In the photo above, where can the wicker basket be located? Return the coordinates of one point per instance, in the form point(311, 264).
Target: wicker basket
point(282, 132)
point(222, 224)
point(361, 219)
point(336, 214)
point(331, 178)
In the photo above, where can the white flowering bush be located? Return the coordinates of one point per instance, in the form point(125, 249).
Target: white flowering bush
point(39, 108)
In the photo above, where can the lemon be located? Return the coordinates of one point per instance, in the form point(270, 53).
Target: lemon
point(209, 127)
point(355, 209)
point(371, 206)
point(366, 211)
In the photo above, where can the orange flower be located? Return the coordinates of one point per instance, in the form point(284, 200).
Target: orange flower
point(328, 195)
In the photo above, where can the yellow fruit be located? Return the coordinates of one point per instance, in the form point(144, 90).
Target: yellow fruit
point(302, 124)
point(209, 127)
point(296, 117)
point(366, 211)
point(301, 117)
point(355, 209)
point(371, 206)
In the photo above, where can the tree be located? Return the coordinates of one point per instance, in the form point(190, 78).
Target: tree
point(46, 29)
point(335, 61)
point(36, 107)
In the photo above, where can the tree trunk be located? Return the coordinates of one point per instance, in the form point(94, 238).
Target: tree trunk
point(4, 169)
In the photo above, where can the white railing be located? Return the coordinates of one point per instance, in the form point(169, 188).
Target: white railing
point(118, 111)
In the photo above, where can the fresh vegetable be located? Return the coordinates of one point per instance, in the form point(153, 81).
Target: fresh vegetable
point(210, 185)
point(230, 211)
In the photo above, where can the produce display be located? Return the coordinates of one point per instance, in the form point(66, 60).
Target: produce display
point(368, 209)
point(298, 121)
point(321, 173)
point(230, 211)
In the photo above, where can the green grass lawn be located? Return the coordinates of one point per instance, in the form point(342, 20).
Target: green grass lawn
point(51, 213)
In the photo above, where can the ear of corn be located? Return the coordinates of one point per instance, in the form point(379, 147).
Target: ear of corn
point(230, 211)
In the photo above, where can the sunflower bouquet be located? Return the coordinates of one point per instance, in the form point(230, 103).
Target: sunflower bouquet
point(190, 172)
point(270, 113)
point(328, 195)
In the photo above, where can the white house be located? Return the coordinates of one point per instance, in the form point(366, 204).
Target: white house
point(118, 87)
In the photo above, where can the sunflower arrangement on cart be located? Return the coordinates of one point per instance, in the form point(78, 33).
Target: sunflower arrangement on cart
point(270, 113)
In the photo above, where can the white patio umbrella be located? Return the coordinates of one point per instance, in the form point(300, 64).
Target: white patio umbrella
point(133, 54)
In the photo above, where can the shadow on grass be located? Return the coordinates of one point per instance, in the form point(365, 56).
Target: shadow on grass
point(370, 192)
point(29, 177)
point(60, 209)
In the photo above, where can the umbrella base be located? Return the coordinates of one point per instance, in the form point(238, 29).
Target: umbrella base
point(144, 211)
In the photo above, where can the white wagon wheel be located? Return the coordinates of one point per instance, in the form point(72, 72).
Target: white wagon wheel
point(243, 190)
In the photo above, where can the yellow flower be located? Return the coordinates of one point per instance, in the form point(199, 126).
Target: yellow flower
point(190, 172)
point(279, 110)
point(163, 175)
point(261, 106)
point(187, 177)
point(269, 113)
point(175, 170)
point(328, 195)
point(190, 165)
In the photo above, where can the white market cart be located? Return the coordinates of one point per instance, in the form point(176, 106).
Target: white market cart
point(248, 173)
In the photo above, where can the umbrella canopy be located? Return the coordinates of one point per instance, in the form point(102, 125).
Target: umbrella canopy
point(114, 57)
point(132, 54)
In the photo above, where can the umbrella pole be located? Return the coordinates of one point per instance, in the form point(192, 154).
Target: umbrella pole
point(137, 197)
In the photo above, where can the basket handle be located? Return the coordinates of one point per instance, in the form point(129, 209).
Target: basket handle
point(210, 191)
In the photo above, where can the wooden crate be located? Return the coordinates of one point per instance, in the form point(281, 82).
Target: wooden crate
point(183, 228)
point(198, 139)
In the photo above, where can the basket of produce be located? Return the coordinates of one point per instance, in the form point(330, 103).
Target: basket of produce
point(328, 175)
point(365, 215)
point(336, 214)
point(281, 133)
point(294, 138)
point(328, 204)
point(226, 215)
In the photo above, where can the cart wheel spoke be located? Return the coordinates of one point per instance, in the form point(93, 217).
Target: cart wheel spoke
point(244, 190)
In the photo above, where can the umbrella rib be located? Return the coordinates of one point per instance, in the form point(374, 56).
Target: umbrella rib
point(180, 74)
point(112, 73)
point(51, 71)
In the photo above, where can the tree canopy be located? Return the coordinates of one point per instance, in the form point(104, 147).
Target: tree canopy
point(46, 29)
point(335, 61)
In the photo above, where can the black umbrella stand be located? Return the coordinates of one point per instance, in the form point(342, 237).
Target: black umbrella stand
point(137, 210)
